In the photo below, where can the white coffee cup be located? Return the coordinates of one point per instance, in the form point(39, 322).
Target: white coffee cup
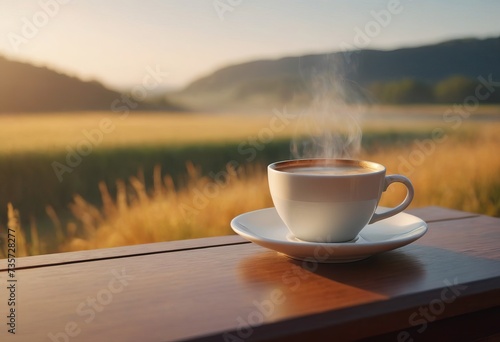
point(331, 200)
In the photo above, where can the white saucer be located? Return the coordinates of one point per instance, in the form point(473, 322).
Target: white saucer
point(265, 228)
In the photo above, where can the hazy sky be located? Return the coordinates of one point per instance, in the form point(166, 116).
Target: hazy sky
point(116, 41)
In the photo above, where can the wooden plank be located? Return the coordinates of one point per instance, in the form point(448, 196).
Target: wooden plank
point(477, 236)
point(245, 291)
point(434, 214)
point(108, 253)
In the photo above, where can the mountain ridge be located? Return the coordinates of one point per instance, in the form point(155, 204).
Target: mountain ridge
point(270, 82)
point(25, 87)
point(261, 83)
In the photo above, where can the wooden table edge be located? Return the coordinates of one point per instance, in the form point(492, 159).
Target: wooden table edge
point(341, 323)
point(122, 252)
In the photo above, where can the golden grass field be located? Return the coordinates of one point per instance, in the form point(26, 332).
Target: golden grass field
point(460, 171)
point(469, 183)
point(54, 131)
point(24, 133)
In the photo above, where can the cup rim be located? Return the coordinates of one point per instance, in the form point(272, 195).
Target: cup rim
point(280, 165)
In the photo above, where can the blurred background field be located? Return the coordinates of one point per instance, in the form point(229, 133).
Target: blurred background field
point(162, 176)
point(128, 123)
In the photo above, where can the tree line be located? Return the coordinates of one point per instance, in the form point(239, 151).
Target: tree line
point(451, 90)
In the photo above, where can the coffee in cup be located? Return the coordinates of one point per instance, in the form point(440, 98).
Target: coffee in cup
point(331, 200)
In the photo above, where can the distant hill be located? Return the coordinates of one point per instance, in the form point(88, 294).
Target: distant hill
point(287, 80)
point(28, 88)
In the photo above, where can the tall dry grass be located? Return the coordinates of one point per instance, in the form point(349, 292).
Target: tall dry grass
point(460, 172)
point(457, 174)
point(203, 208)
point(13, 241)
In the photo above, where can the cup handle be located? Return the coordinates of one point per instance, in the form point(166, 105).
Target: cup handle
point(403, 205)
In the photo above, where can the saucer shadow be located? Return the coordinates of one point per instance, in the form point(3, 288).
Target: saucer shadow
point(411, 269)
point(386, 273)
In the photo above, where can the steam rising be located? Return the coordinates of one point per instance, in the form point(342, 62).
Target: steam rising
point(330, 127)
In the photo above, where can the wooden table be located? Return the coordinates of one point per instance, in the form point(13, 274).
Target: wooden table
point(446, 285)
